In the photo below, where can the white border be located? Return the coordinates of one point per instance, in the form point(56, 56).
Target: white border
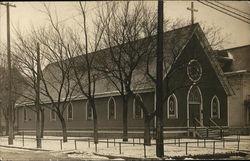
point(134, 107)
point(211, 106)
point(176, 108)
point(111, 98)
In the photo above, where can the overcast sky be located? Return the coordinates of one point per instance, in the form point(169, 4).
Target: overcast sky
point(28, 13)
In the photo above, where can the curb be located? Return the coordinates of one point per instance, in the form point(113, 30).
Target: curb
point(16, 147)
point(124, 157)
point(194, 157)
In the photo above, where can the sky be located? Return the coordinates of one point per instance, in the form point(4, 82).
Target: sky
point(26, 14)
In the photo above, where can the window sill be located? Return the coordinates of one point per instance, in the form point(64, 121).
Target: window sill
point(172, 118)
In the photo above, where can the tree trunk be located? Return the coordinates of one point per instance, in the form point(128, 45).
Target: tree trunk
point(64, 129)
point(95, 123)
point(125, 118)
point(1, 129)
point(7, 127)
point(147, 137)
point(42, 123)
point(13, 122)
point(38, 132)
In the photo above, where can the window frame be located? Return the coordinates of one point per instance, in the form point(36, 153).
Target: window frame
point(175, 116)
point(218, 108)
point(51, 119)
point(25, 115)
point(137, 95)
point(72, 107)
point(188, 72)
point(108, 114)
point(86, 110)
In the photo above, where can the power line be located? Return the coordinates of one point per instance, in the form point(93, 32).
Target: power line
point(224, 12)
point(228, 10)
point(233, 8)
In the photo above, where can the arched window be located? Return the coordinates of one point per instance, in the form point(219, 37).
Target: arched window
point(111, 109)
point(194, 96)
point(137, 110)
point(172, 107)
point(25, 114)
point(70, 111)
point(215, 107)
point(52, 115)
point(89, 111)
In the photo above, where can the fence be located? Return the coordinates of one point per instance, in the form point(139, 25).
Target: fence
point(176, 142)
point(135, 142)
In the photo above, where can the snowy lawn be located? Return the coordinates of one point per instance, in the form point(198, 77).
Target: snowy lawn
point(172, 148)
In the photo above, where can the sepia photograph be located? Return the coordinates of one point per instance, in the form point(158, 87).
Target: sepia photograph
point(124, 80)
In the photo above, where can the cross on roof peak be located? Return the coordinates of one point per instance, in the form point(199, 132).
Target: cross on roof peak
point(192, 12)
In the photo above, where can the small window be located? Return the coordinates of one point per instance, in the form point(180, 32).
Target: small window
point(89, 112)
point(111, 109)
point(70, 111)
point(52, 115)
point(215, 107)
point(172, 107)
point(137, 110)
point(25, 114)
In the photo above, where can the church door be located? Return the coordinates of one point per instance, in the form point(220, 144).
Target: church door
point(194, 105)
point(194, 112)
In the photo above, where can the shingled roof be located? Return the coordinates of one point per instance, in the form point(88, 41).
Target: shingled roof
point(174, 43)
point(235, 59)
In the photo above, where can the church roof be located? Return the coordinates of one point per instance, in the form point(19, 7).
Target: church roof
point(174, 43)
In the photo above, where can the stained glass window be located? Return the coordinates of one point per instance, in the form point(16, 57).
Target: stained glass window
point(70, 111)
point(24, 114)
point(111, 109)
point(52, 115)
point(215, 107)
point(172, 107)
point(138, 112)
point(89, 111)
point(194, 95)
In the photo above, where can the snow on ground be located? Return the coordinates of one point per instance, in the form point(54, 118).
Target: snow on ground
point(172, 149)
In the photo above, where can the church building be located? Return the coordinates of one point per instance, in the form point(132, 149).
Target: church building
point(206, 89)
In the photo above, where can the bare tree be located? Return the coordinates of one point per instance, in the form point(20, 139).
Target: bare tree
point(83, 61)
point(17, 87)
point(57, 86)
point(123, 33)
point(28, 63)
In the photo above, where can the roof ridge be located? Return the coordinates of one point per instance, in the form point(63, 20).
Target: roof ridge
point(195, 24)
point(94, 52)
point(236, 47)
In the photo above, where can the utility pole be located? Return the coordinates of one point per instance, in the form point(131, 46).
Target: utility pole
point(159, 93)
point(192, 12)
point(38, 120)
point(10, 103)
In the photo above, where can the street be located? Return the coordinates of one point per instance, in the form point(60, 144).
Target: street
point(18, 154)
